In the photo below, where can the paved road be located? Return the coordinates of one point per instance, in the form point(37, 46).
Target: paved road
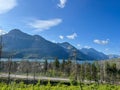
point(37, 77)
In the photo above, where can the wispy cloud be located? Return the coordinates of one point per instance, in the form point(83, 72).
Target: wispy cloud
point(41, 25)
point(61, 37)
point(2, 32)
point(62, 3)
point(101, 42)
point(53, 41)
point(87, 47)
point(7, 5)
point(107, 49)
point(72, 36)
point(78, 45)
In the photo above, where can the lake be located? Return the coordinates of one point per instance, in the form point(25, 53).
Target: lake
point(49, 60)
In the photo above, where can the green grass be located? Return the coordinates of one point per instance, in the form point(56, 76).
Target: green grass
point(22, 86)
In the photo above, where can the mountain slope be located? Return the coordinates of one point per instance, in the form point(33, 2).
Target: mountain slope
point(71, 49)
point(112, 56)
point(24, 45)
point(94, 54)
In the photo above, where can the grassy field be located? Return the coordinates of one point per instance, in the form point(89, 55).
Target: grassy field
point(38, 86)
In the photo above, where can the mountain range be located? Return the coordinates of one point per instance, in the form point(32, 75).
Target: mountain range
point(22, 45)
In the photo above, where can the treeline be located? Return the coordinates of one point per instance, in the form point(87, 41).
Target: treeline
point(98, 71)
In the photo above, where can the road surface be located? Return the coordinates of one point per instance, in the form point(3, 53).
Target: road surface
point(36, 77)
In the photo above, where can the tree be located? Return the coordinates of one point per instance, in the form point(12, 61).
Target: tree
point(25, 67)
point(56, 64)
point(9, 68)
point(63, 65)
point(94, 72)
point(1, 46)
point(113, 71)
point(34, 69)
point(68, 67)
point(45, 65)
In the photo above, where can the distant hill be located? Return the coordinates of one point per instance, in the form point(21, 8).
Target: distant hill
point(94, 54)
point(28, 46)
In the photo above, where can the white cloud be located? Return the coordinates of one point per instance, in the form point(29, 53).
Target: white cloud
point(62, 3)
point(78, 45)
point(101, 42)
point(61, 37)
point(73, 36)
point(42, 25)
point(87, 47)
point(53, 41)
point(107, 49)
point(2, 32)
point(7, 5)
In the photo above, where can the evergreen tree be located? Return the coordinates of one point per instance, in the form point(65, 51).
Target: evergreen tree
point(56, 64)
point(45, 65)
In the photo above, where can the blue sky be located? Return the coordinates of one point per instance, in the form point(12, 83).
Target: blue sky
point(83, 23)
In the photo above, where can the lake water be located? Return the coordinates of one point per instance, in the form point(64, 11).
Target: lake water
point(49, 60)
